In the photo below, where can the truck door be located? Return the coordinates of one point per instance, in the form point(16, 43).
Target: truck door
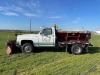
point(46, 38)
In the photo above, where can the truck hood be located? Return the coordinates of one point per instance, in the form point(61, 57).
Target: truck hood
point(27, 36)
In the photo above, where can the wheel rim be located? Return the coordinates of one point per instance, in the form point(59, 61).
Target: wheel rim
point(77, 49)
point(27, 49)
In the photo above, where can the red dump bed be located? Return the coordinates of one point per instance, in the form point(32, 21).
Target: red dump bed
point(73, 35)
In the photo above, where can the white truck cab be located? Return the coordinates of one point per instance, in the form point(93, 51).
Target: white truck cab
point(45, 38)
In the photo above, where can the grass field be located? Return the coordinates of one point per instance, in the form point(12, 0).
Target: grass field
point(49, 62)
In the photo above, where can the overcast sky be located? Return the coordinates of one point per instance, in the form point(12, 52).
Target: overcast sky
point(67, 14)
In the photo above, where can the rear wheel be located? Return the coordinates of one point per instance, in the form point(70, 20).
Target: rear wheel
point(77, 49)
point(27, 48)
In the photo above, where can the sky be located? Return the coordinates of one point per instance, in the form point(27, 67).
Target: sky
point(66, 14)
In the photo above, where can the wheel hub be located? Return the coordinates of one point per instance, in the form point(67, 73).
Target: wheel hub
point(27, 48)
point(77, 50)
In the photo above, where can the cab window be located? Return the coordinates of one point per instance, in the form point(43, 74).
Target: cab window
point(47, 32)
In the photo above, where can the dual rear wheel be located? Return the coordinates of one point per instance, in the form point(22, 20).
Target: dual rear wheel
point(76, 49)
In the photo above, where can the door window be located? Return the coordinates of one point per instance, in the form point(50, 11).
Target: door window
point(47, 32)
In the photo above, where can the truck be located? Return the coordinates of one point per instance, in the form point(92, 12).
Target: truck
point(75, 42)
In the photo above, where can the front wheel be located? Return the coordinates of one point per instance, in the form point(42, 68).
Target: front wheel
point(27, 48)
point(77, 49)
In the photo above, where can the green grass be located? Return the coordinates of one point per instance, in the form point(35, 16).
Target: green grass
point(49, 63)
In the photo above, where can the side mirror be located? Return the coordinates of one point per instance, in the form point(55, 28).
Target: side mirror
point(41, 34)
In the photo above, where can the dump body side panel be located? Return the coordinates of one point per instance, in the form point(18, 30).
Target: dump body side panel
point(67, 36)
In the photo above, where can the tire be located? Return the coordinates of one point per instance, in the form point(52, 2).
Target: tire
point(27, 48)
point(77, 49)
